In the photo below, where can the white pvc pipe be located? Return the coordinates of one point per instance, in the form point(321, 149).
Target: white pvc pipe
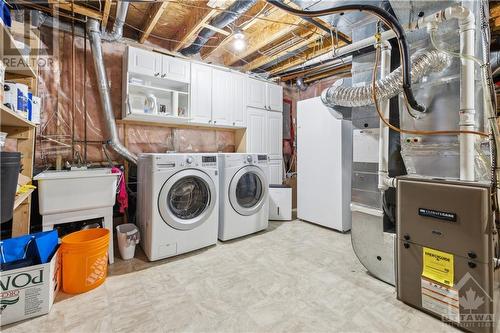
point(383, 142)
point(466, 23)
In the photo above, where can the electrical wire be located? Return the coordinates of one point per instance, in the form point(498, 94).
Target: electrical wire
point(385, 17)
point(407, 131)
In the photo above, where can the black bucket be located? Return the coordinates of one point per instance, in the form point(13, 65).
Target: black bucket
point(10, 164)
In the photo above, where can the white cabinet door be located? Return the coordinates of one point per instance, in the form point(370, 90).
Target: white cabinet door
point(275, 172)
point(175, 69)
point(239, 107)
point(256, 93)
point(256, 134)
point(201, 93)
point(275, 97)
point(222, 97)
point(144, 62)
point(275, 134)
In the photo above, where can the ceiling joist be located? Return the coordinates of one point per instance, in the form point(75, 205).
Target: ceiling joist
point(194, 27)
point(155, 11)
point(73, 7)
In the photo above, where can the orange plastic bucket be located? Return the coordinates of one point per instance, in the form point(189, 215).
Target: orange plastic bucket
point(84, 260)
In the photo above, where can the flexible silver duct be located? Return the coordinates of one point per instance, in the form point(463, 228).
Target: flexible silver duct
point(423, 64)
point(94, 32)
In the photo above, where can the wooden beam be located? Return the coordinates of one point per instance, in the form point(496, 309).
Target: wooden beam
point(193, 29)
point(78, 9)
point(307, 38)
point(313, 52)
point(270, 33)
point(155, 11)
point(105, 13)
point(243, 23)
point(221, 31)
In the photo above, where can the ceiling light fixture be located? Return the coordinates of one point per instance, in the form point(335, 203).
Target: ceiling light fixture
point(239, 43)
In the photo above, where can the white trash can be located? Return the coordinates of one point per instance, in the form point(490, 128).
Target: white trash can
point(128, 237)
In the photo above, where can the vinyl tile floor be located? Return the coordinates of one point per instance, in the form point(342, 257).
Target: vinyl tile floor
point(294, 277)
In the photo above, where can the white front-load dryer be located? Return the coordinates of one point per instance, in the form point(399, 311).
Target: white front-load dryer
point(243, 194)
point(177, 208)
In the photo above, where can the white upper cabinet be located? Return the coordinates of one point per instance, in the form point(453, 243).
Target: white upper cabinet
point(256, 93)
point(275, 134)
point(264, 95)
point(222, 97)
point(239, 100)
point(144, 62)
point(256, 140)
point(201, 93)
point(275, 97)
point(175, 69)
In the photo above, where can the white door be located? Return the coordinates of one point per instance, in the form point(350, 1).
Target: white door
point(201, 93)
point(256, 138)
point(238, 114)
point(256, 93)
point(275, 97)
point(276, 171)
point(144, 62)
point(274, 134)
point(175, 69)
point(222, 97)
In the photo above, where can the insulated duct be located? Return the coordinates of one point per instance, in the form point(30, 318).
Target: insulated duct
point(423, 64)
point(94, 32)
point(220, 21)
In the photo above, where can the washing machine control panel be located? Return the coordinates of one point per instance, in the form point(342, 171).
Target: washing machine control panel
point(189, 160)
point(209, 161)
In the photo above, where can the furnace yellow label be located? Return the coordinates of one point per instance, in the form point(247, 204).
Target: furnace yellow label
point(438, 266)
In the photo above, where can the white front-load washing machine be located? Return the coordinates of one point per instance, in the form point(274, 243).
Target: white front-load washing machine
point(244, 206)
point(177, 206)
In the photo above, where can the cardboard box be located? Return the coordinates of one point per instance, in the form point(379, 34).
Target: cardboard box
point(29, 291)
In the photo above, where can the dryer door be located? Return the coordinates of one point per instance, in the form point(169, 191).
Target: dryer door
point(248, 190)
point(186, 199)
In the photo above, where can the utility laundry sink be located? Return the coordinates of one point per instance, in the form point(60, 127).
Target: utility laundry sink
point(76, 190)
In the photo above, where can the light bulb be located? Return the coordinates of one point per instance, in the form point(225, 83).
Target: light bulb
point(239, 44)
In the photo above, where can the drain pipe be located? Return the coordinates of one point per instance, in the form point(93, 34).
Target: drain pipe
point(467, 26)
point(384, 181)
point(93, 29)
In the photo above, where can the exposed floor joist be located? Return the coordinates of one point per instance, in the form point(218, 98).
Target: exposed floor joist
point(154, 13)
point(105, 13)
point(269, 34)
point(308, 38)
point(193, 28)
point(78, 9)
point(313, 52)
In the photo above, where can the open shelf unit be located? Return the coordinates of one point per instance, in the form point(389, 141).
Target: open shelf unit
point(19, 128)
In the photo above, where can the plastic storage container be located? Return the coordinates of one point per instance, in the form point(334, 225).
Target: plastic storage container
point(84, 260)
point(10, 165)
point(128, 237)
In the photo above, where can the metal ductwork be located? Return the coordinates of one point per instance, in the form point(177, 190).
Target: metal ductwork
point(422, 64)
point(93, 29)
point(220, 21)
point(121, 15)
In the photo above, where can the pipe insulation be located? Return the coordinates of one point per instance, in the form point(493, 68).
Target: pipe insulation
point(220, 21)
point(389, 86)
point(113, 141)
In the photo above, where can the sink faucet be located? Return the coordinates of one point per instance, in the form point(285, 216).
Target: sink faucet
point(79, 161)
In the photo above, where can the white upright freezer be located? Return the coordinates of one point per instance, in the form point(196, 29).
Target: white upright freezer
point(324, 159)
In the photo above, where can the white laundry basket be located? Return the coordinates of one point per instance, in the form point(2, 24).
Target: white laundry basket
point(128, 237)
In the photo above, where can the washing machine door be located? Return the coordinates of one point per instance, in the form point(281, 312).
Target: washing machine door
point(187, 199)
point(248, 190)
